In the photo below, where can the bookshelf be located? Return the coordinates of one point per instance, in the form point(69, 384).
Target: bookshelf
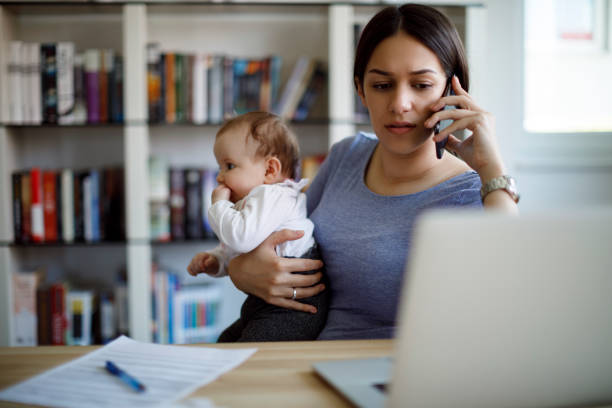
point(319, 29)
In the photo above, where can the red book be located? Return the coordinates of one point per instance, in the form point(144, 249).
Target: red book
point(57, 300)
point(49, 205)
point(36, 207)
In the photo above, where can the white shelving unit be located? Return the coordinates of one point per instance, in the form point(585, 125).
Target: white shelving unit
point(320, 29)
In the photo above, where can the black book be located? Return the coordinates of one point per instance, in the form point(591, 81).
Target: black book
point(193, 203)
point(48, 59)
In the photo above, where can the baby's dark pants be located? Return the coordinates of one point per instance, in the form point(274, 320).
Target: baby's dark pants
point(260, 321)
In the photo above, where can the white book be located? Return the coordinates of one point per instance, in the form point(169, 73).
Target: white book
point(26, 85)
point(80, 106)
point(159, 184)
point(161, 306)
point(35, 84)
point(65, 82)
point(24, 309)
point(79, 309)
point(87, 215)
point(67, 205)
point(15, 79)
point(200, 89)
point(291, 92)
point(215, 89)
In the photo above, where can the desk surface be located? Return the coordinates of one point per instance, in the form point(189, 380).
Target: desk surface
point(277, 375)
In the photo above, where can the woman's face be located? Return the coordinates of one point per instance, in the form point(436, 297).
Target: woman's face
point(403, 79)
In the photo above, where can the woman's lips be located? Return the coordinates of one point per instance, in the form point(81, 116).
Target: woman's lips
point(400, 128)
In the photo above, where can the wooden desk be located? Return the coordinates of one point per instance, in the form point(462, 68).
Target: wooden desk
point(277, 375)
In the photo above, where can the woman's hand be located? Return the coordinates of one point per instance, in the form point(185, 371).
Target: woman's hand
point(264, 274)
point(479, 150)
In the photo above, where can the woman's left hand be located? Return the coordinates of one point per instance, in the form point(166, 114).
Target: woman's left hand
point(479, 150)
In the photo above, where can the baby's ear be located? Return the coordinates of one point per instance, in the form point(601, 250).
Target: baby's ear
point(273, 170)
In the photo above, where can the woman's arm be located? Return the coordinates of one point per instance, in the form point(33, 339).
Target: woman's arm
point(479, 150)
point(264, 274)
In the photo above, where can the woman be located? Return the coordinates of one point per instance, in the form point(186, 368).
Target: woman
point(370, 190)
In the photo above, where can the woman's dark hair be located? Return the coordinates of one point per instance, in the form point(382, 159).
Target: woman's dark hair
point(430, 27)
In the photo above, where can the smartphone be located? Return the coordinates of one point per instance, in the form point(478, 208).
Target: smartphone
point(443, 124)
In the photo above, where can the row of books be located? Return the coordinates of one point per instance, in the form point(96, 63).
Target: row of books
point(56, 314)
point(184, 313)
point(202, 88)
point(68, 205)
point(51, 83)
point(179, 201)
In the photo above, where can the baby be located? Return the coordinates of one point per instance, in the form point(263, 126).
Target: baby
point(258, 159)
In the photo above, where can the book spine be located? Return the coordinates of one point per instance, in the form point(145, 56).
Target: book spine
point(170, 88)
point(177, 204)
point(24, 309)
point(153, 81)
point(107, 318)
point(215, 90)
point(67, 207)
point(65, 83)
point(15, 74)
point(189, 88)
point(35, 84)
point(79, 305)
point(179, 87)
point(116, 85)
point(80, 101)
point(58, 310)
point(49, 82)
point(193, 203)
point(199, 89)
point(92, 85)
point(26, 207)
point(17, 207)
point(38, 224)
point(43, 313)
point(275, 69)
point(87, 208)
point(228, 87)
point(313, 90)
point(49, 206)
point(79, 224)
point(26, 84)
point(58, 206)
point(106, 61)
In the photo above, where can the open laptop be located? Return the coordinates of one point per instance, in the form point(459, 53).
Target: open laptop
point(497, 311)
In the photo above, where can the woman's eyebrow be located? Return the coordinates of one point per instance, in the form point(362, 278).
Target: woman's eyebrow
point(417, 72)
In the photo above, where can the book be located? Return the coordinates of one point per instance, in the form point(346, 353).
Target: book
point(36, 206)
point(80, 100)
point(79, 305)
point(106, 317)
point(15, 76)
point(215, 89)
point(49, 206)
point(121, 308)
point(67, 205)
point(312, 92)
point(179, 87)
point(200, 89)
point(57, 300)
point(26, 207)
point(195, 314)
point(65, 82)
point(43, 316)
point(106, 67)
point(294, 88)
point(228, 87)
point(92, 84)
point(17, 207)
point(34, 104)
point(170, 88)
point(58, 205)
point(79, 211)
point(48, 60)
point(177, 204)
point(24, 309)
point(115, 89)
point(193, 204)
point(112, 213)
point(154, 74)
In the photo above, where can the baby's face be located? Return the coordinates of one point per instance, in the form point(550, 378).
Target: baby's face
point(240, 169)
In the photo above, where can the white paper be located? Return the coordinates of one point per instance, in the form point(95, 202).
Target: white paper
point(168, 373)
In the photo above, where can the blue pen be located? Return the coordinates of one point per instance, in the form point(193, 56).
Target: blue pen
point(125, 377)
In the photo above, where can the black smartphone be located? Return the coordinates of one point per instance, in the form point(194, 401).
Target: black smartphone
point(443, 124)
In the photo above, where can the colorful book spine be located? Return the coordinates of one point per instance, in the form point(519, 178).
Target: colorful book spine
point(17, 207)
point(179, 86)
point(49, 206)
point(177, 204)
point(36, 208)
point(193, 203)
point(79, 310)
point(106, 67)
point(215, 89)
point(57, 293)
point(80, 100)
point(92, 85)
point(15, 76)
point(228, 87)
point(116, 90)
point(26, 207)
point(154, 81)
point(170, 88)
point(48, 61)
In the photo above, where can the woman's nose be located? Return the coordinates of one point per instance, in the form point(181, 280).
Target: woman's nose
point(401, 101)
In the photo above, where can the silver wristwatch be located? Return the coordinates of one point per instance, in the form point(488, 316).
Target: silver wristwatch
point(505, 183)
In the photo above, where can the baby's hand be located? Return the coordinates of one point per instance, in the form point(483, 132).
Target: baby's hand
point(203, 263)
point(221, 192)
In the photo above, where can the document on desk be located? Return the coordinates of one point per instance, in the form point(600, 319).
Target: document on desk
point(167, 372)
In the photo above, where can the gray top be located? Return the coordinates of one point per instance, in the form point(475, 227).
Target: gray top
point(365, 237)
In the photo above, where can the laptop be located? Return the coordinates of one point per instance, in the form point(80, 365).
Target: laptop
point(497, 311)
